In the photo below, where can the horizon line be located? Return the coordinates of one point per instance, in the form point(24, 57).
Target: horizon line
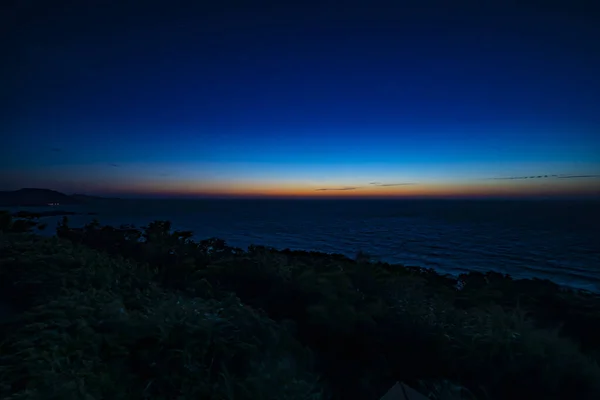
point(214, 196)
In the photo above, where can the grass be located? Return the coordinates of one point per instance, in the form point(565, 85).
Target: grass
point(104, 312)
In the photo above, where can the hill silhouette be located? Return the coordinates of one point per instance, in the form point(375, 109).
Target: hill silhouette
point(36, 197)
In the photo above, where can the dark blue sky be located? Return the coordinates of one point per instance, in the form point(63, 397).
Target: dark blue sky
point(279, 98)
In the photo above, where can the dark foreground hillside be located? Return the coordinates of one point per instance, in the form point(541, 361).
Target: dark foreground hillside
point(125, 313)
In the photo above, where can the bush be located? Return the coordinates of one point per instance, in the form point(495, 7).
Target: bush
point(97, 327)
point(87, 344)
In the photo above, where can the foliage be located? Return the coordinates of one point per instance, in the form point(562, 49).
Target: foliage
point(97, 327)
point(222, 322)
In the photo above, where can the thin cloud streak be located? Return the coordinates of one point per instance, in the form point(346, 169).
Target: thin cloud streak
point(534, 177)
point(371, 185)
point(344, 188)
point(397, 184)
point(545, 177)
point(524, 177)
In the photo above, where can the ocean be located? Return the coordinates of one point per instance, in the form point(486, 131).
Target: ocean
point(557, 240)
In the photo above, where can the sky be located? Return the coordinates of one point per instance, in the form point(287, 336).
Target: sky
point(306, 99)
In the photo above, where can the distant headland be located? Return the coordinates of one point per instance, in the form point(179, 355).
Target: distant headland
point(34, 197)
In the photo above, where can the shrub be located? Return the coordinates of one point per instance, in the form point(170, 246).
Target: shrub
point(98, 327)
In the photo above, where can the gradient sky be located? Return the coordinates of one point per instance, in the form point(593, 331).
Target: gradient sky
point(257, 98)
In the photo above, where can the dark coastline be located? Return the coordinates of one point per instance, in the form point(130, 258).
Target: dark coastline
point(367, 324)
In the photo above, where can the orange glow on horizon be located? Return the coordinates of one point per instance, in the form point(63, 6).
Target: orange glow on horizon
point(137, 183)
point(427, 190)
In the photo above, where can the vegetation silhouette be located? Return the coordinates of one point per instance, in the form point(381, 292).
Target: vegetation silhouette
point(122, 312)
